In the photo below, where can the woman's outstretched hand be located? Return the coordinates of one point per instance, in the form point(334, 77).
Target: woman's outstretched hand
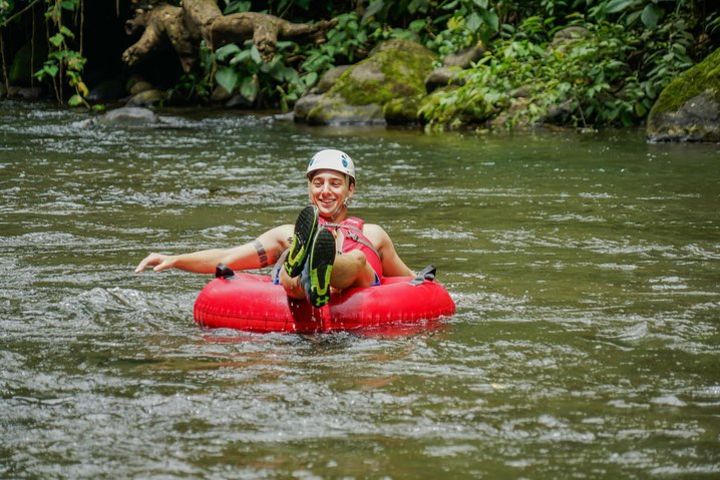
point(158, 261)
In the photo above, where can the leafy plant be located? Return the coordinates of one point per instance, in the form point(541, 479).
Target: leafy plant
point(63, 63)
point(588, 81)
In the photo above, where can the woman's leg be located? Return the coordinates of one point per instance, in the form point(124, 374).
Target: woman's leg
point(351, 270)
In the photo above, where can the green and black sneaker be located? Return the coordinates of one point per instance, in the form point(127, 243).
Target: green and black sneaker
point(322, 256)
point(305, 228)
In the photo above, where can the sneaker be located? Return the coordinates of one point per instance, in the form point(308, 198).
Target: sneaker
point(322, 256)
point(305, 228)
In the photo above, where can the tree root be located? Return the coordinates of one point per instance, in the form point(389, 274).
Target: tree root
point(184, 27)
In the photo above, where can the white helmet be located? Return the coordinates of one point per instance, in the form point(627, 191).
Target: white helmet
point(332, 160)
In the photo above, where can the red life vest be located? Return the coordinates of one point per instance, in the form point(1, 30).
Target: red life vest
point(353, 238)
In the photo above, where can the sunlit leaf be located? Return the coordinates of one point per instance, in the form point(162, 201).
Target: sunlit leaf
point(67, 32)
point(75, 101)
point(473, 22)
point(417, 25)
point(492, 20)
point(83, 89)
point(249, 89)
point(255, 55)
point(223, 52)
point(615, 6)
point(310, 78)
point(227, 78)
point(372, 9)
point(240, 57)
point(51, 70)
point(651, 15)
point(57, 39)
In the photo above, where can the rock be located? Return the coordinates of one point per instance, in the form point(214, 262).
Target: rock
point(282, 117)
point(140, 87)
point(513, 115)
point(304, 105)
point(219, 94)
point(558, 114)
point(688, 109)
point(127, 116)
point(442, 77)
point(521, 92)
point(147, 98)
point(402, 110)
point(238, 101)
point(697, 120)
point(568, 36)
point(335, 111)
point(329, 78)
point(112, 89)
point(26, 93)
point(464, 58)
point(131, 81)
point(394, 69)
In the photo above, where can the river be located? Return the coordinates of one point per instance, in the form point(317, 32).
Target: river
point(585, 269)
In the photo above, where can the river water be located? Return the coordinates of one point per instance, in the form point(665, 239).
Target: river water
point(585, 268)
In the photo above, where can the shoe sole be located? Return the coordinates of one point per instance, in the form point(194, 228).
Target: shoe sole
point(322, 256)
point(305, 227)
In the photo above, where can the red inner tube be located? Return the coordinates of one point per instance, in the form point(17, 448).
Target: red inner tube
point(253, 303)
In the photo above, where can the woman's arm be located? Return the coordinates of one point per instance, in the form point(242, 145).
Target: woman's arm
point(261, 252)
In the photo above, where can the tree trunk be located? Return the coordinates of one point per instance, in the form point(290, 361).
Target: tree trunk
point(182, 28)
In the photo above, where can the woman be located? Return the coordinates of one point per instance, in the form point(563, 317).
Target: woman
point(325, 248)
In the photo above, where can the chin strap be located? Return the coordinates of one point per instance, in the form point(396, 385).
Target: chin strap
point(223, 271)
point(427, 273)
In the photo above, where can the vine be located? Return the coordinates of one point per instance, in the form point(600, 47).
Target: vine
point(63, 63)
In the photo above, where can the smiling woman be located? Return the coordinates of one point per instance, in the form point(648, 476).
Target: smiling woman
point(325, 250)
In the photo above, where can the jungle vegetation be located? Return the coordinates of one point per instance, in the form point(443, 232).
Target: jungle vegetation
point(610, 75)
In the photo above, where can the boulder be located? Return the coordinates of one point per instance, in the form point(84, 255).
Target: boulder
point(332, 110)
point(567, 36)
point(238, 101)
point(304, 105)
point(139, 87)
point(127, 116)
point(402, 110)
point(688, 109)
point(147, 98)
point(112, 89)
point(442, 77)
point(394, 69)
point(132, 80)
point(464, 58)
point(329, 78)
point(26, 93)
point(219, 94)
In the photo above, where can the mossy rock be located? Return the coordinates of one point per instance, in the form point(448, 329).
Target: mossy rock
point(329, 78)
point(147, 98)
point(688, 109)
point(402, 111)
point(396, 68)
point(333, 110)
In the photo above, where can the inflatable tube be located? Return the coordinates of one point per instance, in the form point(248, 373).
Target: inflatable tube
point(253, 303)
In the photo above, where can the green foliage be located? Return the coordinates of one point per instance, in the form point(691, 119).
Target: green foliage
point(63, 63)
point(588, 81)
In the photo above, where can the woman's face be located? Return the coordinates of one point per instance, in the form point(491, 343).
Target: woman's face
point(328, 191)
